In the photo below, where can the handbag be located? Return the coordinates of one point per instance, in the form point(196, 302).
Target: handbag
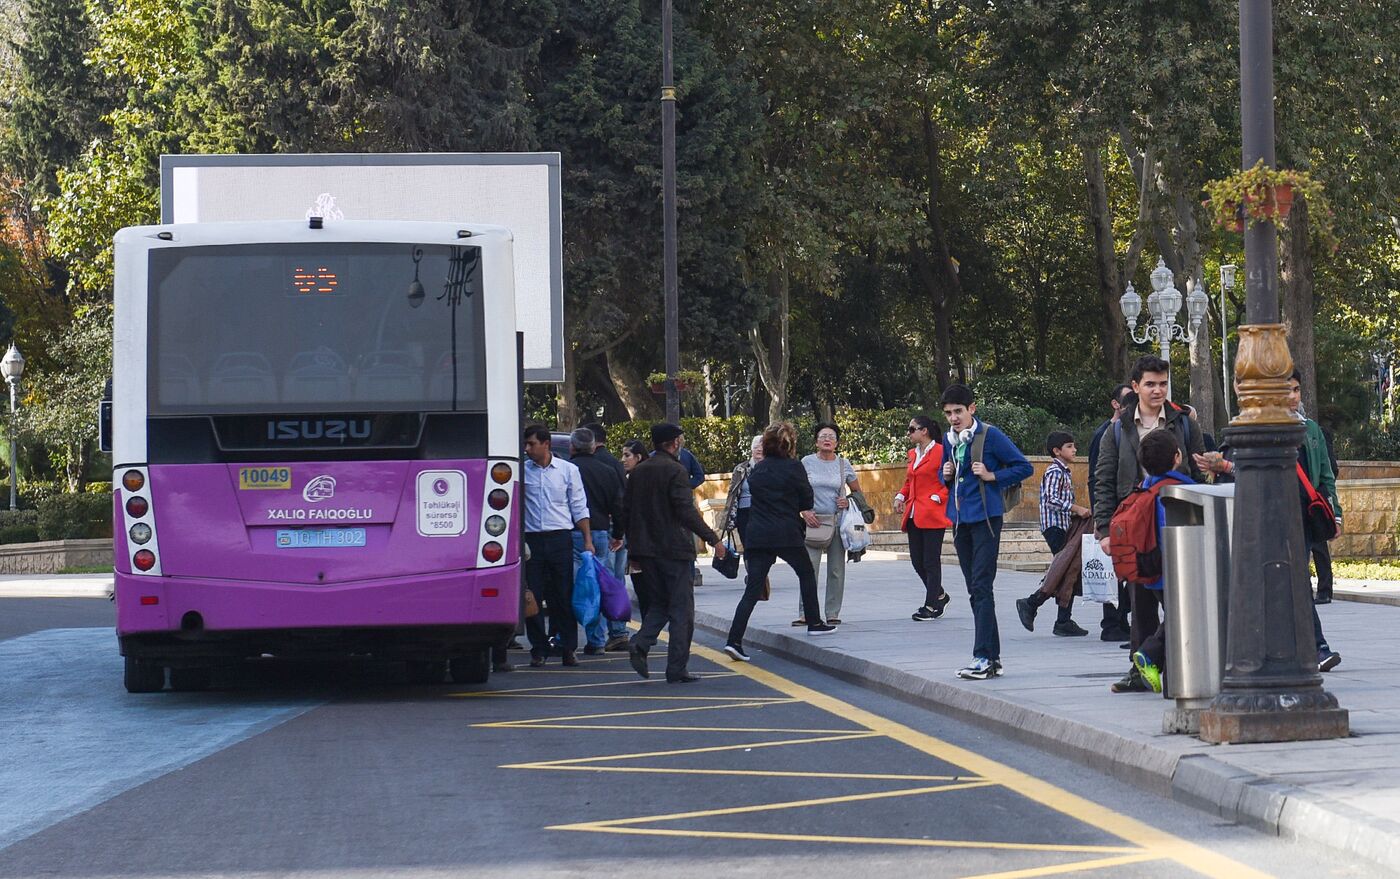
point(820, 536)
point(613, 601)
point(532, 607)
point(728, 566)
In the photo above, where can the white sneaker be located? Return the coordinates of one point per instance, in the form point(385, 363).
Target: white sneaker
point(737, 653)
point(979, 670)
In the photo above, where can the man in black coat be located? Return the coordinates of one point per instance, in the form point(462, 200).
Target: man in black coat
point(659, 519)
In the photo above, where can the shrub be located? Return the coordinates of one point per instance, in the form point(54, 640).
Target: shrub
point(75, 517)
point(19, 526)
point(718, 443)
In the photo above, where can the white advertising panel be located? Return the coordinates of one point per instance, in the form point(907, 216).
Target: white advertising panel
point(520, 191)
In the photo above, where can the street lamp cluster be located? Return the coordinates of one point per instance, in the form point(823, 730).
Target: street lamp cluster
point(12, 367)
point(1163, 305)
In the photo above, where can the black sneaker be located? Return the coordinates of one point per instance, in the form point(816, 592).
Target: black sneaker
point(923, 615)
point(820, 629)
point(638, 657)
point(1115, 633)
point(1026, 611)
point(1328, 660)
point(1132, 682)
point(591, 650)
point(939, 603)
point(737, 652)
point(1069, 629)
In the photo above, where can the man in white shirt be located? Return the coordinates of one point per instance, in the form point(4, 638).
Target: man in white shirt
point(555, 505)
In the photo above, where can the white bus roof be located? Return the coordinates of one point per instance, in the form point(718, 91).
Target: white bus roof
point(516, 191)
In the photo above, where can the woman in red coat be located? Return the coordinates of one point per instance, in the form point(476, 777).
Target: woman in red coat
point(922, 506)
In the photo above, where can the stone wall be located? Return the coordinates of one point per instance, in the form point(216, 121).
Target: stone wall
point(51, 557)
point(1369, 492)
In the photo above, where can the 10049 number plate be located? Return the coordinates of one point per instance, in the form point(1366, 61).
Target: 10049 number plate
point(320, 538)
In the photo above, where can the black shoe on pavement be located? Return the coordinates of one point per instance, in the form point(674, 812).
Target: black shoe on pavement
point(569, 658)
point(515, 644)
point(939, 603)
point(502, 667)
point(590, 650)
point(924, 614)
point(1328, 660)
point(1132, 682)
point(1069, 629)
point(536, 660)
point(737, 652)
point(1323, 599)
point(1115, 633)
point(682, 679)
point(1026, 611)
point(617, 644)
point(638, 657)
point(820, 629)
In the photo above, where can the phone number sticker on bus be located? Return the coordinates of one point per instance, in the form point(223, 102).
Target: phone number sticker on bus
point(257, 478)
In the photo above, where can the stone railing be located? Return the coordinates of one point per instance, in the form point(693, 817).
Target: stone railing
point(1369, 492)
point(53, 556)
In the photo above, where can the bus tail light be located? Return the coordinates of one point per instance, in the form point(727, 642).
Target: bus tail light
point(492, 552)
point(150, 600)
point(139, 520)
point(490, 592)
point(497, 499)
point(501, 473)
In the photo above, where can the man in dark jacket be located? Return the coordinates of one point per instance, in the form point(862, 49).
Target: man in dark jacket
point(659, 520)
point(1117, 471)
point(602, 486)
point(1114, 626)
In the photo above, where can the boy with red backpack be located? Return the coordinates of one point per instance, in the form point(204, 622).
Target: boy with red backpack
point(1134, 535)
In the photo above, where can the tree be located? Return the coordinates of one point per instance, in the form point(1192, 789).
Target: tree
point(61, 403)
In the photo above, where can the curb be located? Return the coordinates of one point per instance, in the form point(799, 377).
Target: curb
point(1199, 781)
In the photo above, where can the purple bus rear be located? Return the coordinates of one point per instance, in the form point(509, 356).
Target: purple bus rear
point(355, 525)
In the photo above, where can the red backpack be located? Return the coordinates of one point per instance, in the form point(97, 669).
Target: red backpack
point(1132, 535)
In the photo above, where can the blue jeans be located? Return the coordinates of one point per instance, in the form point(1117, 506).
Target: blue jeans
point(601, 629)
point(977, 544)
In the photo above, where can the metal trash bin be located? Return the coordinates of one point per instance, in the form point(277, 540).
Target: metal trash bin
point(1196, 575)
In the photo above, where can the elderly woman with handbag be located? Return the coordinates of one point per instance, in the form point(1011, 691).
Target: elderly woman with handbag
point(922, 507)
point(830, 475)
point(781, 512)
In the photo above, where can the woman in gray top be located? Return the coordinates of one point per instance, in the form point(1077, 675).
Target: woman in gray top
point(830, 474)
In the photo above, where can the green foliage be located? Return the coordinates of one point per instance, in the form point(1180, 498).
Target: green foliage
point(1366, 569)
point(718, 443)
point(1076, 400)
point(75, 517)
point(60, 408)
point(19, 526)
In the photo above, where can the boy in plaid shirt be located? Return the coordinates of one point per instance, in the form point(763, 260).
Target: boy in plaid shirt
point(1057, 508)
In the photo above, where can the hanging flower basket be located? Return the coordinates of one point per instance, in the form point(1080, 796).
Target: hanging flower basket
point(685, 380)
point(1264, 194)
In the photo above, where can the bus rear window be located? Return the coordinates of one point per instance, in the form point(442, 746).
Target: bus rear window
point(248, 329)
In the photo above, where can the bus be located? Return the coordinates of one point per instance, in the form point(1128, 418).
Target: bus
point(314, 430)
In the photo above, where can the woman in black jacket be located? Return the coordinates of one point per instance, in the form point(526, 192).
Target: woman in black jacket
point(778, 519)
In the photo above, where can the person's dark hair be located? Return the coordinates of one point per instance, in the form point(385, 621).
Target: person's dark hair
point(537, 432)
point(581, 441)
point(664, 432)
point(1297, 375)
point(823, 425)
point(1158, 451)
point(1149, 363)
point(779, 440)
point(1056, 441)
point(927, 424)
point(1118, 391)
point(956, 395)
point(636, 447)
point(600, 433)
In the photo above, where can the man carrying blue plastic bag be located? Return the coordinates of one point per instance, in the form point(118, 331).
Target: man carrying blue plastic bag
point(660, 516)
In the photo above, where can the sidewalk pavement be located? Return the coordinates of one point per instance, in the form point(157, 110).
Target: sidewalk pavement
point(1054, 694)
point(55, 585)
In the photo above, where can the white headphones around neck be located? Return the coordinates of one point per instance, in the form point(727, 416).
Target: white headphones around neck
point(965, 436)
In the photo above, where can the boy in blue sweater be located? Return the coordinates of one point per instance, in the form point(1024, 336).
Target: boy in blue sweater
point(980, 462)
point(1160, 457)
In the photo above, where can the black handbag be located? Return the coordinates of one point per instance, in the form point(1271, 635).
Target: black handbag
point(728, 566)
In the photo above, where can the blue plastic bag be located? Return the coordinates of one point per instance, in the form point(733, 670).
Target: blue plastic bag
point(615, 604)
point(586, 597)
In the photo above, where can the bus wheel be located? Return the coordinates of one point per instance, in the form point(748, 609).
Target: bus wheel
point(143, 676)
point(191, 679)
point(472, 669)
point(424, 671)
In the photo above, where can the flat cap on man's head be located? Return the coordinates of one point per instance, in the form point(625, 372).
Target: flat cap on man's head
point(663, 432)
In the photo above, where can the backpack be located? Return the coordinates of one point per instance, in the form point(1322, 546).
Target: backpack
point(1010, 494)
point(1319, 520)
point(1132, 535)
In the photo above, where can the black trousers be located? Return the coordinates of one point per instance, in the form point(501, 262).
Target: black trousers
point(926, 554)
point(1322, 557)
point(550, 575)
point(1146, 603)
point(760, 562)
point(671, 605)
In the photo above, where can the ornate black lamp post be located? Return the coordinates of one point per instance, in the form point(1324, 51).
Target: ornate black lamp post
point(1271, 691)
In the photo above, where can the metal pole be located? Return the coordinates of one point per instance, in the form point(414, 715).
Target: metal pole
point(1271, 690)
point(1224, 349)
point(14, 461)
point(1164, 342)
point(668, 211)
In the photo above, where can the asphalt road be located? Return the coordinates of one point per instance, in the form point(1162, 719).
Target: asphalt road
point(769, 769)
